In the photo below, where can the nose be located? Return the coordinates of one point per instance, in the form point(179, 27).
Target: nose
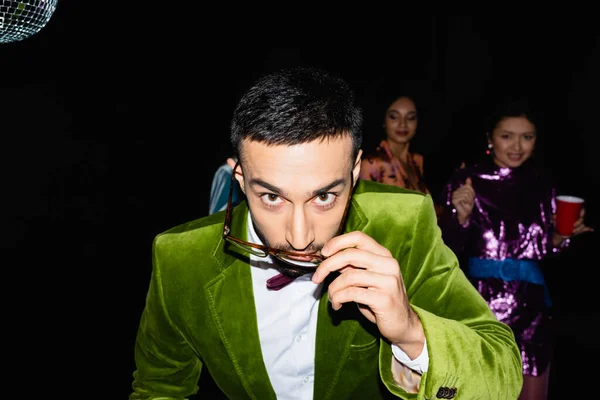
point(519, 144)
point(300, 234)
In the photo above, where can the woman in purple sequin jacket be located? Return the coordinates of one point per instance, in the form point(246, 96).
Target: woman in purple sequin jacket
point(499, 220)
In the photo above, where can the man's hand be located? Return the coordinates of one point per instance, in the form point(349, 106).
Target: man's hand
point(370, 277)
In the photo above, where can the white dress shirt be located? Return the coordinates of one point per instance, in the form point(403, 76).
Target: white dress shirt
point(287, 328)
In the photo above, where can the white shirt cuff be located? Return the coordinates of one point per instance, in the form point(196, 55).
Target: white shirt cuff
point(419, 364)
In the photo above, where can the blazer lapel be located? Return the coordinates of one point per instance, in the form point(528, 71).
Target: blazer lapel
point(335, 329)
point(334, 337)
point(231, 300)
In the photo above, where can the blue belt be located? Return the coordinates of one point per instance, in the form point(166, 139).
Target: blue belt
point(509, 269)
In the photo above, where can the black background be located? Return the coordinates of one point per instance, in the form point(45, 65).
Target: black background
point(114, 120)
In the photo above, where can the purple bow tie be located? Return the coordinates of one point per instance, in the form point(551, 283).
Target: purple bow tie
point(287, 274)
point(279, 281)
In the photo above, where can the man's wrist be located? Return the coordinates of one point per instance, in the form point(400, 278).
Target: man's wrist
point(419, 364)
point(413, 340)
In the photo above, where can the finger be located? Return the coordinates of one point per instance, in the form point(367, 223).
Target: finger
point(458, 193)
point(357, 259)
point(468, 182)
point(462, 206)
point(467, 205)
point(356, 294)
point(582, 229)
point(461, 190)
point(465, 191)
point(354, 239)
point(469, 190)
point(362, 278)
point(467, 199)
point(464, 196)
point(361, 259)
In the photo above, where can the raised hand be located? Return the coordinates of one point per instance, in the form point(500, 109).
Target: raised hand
point(370, 277)
point(463, 200)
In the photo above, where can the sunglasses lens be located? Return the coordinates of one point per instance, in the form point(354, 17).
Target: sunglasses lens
point(312, 263)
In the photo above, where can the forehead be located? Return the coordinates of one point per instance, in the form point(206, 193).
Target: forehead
point(515, 125)
point(301, 165)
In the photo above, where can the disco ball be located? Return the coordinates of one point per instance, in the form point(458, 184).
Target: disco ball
point(22, 19)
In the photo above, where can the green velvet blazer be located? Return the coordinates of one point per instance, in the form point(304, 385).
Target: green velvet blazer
point(200, 315)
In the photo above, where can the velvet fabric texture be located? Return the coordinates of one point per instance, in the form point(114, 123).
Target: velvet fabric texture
point(200, 315)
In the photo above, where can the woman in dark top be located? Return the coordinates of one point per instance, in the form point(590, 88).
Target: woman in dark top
point(499, 220)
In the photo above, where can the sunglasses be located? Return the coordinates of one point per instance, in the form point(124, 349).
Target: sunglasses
point(300, 262)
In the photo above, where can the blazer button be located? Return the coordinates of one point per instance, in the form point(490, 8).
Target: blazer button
point(442, 393)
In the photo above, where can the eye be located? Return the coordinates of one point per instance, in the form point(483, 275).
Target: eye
point(393, 115)
point(325, 199)
point(271, 199)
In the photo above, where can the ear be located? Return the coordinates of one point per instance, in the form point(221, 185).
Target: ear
point(356, 168)
point(239, 175)
point(489, 137)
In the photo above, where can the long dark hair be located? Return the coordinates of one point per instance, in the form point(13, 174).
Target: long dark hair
point(386, 97)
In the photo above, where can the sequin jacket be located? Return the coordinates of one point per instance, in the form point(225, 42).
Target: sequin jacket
point(512, 215)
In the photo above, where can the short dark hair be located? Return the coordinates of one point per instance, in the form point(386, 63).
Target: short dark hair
point(297, 105)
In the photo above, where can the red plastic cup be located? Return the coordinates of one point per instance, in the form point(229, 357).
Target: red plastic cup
point(568, 209)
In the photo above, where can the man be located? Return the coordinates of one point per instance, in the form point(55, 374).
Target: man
point(318, 285)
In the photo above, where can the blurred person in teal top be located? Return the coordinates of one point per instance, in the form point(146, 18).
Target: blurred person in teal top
point(219, 189)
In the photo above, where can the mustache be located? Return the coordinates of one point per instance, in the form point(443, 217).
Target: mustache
point(311, 249)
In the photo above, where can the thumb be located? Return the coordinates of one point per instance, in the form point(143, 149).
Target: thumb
point(231, 162)
point(468, 182)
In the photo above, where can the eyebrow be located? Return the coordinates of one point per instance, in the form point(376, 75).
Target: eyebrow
point(522, 133)
point(284, 193)
point(394, 111)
